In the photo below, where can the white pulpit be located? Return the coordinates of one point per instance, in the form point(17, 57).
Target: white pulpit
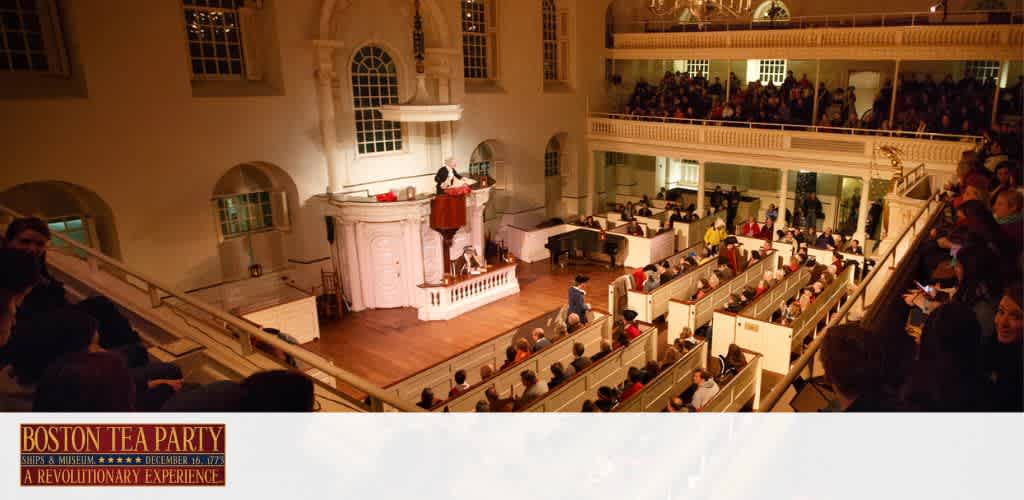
point(385, 251)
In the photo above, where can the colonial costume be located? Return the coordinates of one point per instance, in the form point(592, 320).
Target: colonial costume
point(577, 299)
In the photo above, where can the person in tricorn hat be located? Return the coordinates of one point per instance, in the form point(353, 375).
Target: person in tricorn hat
point(577, 298)
point(632, 329)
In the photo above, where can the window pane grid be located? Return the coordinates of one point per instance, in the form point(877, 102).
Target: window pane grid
point(773, 70)
point(981, 70)
point(550, 41)
point(374, 84)
point(697, 67)
point(214, 40)
point(551, 163)
point(21, 37)
point(245, 213)
point(474, 40)
point(480, 169)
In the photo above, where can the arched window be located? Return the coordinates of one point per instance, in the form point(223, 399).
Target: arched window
point(481, 162)
point(479, 39)
point(552, 156)
point(769, 11)
point(550, 19)
point(375, 83)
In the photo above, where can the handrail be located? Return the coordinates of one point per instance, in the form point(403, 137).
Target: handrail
point(909, 179)
point(769, 402)
point(246, 331)
point(787, 126)
point(867, 20)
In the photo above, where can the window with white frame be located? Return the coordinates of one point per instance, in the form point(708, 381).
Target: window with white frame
point(214, 39)
point(374, 84)
point(766, 70)
point(981, 70)
point(245, 213)
point(697, 67)
point(550, 20)
point(479, 39)
point(769, 11)
point(480, 162)
point(29, 38)
point(552, 155)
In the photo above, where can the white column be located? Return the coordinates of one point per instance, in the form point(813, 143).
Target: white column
point(410, 272)
point(783, 185)
point(366, 286)
point(862, 213)
point(895, 91)
point(700, 188)
point(351, 261)
point(328, 127)
point(591, 184)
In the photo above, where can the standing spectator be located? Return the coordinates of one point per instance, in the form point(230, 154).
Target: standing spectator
point(733, 205)
point(813, 211)
point(577, 298)
point(31, 236)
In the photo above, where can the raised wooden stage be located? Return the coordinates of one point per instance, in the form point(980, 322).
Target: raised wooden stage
point(385, 346)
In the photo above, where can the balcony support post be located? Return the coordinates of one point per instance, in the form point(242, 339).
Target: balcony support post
point(783, 184)
point(700, 188)
point(817, 97)
point(1004, 69)
point(895, 90)
point(728, 83)
point(862, 213)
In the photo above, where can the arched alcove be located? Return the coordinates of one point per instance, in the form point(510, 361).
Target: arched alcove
point(252, 205)
point(74, 211)
point(555, 153)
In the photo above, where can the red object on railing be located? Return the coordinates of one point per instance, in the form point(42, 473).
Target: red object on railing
point(388, 196)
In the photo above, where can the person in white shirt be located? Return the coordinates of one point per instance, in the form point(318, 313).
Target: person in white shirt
point(706, 388)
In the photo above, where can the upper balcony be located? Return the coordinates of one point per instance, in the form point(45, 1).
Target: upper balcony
point(974, 35)
point(833, 149)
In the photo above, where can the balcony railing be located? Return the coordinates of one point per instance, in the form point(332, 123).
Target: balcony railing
point(860, 144)
point(988, 42)
point(234, 331)
point(870, 20)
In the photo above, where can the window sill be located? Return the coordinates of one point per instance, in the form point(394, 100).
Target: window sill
point(557, 87)
point(474, 86)
point(40, 85)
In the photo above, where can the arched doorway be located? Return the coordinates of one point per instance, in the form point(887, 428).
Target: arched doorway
point(252, 205)
point(554, 171)
point(70, 210)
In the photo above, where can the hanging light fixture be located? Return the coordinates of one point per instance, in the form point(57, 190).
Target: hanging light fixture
point(422, 108)
point(702, 10)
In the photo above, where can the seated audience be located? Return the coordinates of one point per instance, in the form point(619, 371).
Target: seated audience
point(486, 371)
point(1002, 358)
point(86, 382)
point(855, 367)
point(533, 388)
point(634, 383)
point(460, 384)
point(522, 349)
point(540, 342)
point(510, 357)
point(606, 349)
point(560, 374)
point(1007, 211)
point(632, 329)
point(427, 399)
point(573, 323)
point(607, 399)
point(31, 236)
point(750, 228)
point(580, 361)
point(278, 391)
point(706, 388)
point(19, 273)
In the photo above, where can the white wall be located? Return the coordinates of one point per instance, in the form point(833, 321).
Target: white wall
point(141, 139)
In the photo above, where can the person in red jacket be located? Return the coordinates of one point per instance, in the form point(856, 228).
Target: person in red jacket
point(634, 384)
point(639, 276)
point(632, 329)
point(751, 229)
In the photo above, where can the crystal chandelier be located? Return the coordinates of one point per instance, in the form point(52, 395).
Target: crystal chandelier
point(700, 9)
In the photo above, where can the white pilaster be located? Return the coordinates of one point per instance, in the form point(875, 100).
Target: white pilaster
point(700, 188)
point(783, 185)
point(351, 260)
point(325, 104)
point(862, 214)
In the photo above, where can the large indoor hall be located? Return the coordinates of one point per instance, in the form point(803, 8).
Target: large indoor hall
point(509, 206)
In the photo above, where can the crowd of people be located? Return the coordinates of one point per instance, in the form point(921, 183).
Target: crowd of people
point(965, 309)
point(923, 104)
point(57, 355)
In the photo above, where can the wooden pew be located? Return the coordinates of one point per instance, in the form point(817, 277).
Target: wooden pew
point(685, 313)
point(439, 377)
point(668, 384)
point(609, 370)
point(508, 379)
point(743, 388)
point(776, 342)
point(652, 305)
point(689, 233)
point(724, 323)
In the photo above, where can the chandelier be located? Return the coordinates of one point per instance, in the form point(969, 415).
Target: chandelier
point(700, 9)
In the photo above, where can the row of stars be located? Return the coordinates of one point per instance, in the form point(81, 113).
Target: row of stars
point(120, 460)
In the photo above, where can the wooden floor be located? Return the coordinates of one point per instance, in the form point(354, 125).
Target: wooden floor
point(385, 346)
